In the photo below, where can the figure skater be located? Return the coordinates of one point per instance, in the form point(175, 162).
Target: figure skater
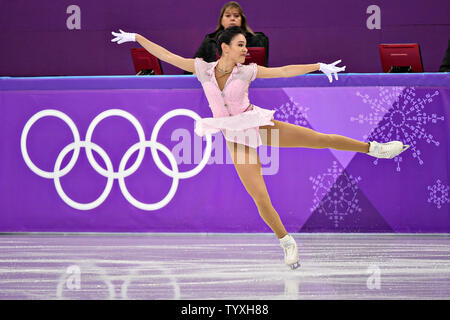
point(246, 126)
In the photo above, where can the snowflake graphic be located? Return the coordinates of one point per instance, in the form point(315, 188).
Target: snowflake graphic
point(399, 115)
point(293, 113)
point(335, 199)
point(438, 194)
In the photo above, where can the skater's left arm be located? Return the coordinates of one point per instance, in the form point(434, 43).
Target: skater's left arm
point(286, 71)
point(299, 69)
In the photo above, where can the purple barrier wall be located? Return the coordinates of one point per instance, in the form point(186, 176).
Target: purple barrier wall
point(50, 37)
point(314, 190)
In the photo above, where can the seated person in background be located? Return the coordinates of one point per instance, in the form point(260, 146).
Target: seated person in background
point(445, 66)
point(231, 15)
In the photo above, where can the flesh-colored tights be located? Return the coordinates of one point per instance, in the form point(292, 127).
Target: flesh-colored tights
point(285, 135)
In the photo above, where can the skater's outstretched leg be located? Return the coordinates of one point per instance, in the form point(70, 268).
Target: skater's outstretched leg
point(284, 134)
point(290, 135)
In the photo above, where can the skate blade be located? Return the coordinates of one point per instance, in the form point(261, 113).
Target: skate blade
point(294, 266)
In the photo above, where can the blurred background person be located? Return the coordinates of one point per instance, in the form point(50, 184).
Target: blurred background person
point(231, 14)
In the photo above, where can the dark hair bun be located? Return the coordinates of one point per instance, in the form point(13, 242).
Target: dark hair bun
point(225, 36)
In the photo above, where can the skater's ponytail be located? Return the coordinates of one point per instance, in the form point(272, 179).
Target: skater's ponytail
point(226, 36)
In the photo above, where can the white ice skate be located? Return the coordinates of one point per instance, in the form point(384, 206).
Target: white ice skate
point(290, 251)
point(386, 150)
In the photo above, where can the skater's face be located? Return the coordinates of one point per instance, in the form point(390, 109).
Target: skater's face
point(231, 17)
point(237, 49)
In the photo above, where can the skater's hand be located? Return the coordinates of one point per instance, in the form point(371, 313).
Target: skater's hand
point(330, 69)
point(123, 37)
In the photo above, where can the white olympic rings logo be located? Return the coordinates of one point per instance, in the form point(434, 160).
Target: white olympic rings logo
point(109, 173)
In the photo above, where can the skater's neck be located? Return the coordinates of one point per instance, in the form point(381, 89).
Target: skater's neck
point(225, 65)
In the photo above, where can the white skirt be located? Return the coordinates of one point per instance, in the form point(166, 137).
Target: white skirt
point(242, 128)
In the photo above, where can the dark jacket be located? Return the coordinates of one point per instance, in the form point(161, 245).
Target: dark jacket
point(208, 48)
point(445, 66)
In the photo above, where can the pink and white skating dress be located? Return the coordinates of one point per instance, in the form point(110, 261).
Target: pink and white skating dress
point(232, 112)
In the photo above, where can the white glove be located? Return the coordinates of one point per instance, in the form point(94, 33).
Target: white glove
point(329, 69)
point(123, 37)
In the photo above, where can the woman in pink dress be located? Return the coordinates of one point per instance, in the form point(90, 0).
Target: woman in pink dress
point(246, 126)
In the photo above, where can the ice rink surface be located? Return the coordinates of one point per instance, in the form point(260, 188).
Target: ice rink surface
point(223, 266)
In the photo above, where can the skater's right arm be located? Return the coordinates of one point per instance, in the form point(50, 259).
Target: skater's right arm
point(165, 55)
point(156, 50)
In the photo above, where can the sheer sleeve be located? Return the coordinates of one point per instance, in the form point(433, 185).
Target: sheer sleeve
point(253, 70)
point(200, 69)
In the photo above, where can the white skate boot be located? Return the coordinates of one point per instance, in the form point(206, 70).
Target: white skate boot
point(290, 251)
point(386, 150)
